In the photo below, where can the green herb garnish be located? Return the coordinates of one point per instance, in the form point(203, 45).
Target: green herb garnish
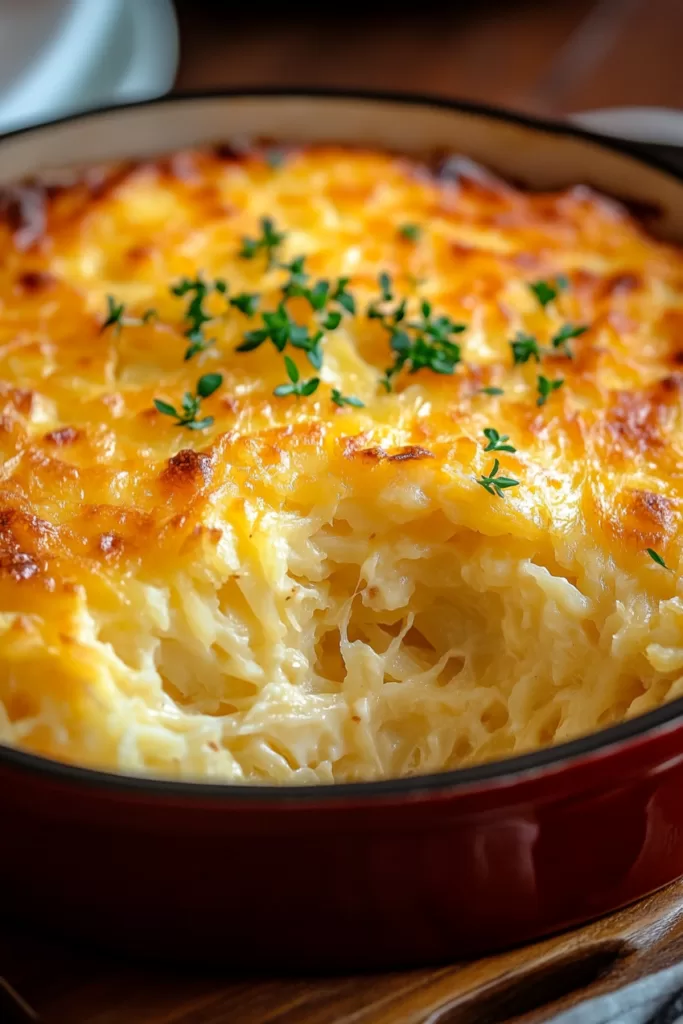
point(546, 387)
point(279, 327)
point(332, 320)
point(195, 314)
point(384, 282)
point(491, 391)
point(296, 386)
point(525, 347)
point(656, 557)
point(246, 302)
point(547, 291)
point(117, 319)
point(411, 232)
point(495, 484)
point(268, 241)
point(424, 343)
point(298, 278)
point(343, 297)
point(496, 441)
point(319, 296)
point(565, 334)
point(340, 399)
point(115, 311)
point(190, 404)
point(281, 330)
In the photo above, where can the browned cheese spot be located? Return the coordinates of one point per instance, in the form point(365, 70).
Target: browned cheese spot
point(187, 469)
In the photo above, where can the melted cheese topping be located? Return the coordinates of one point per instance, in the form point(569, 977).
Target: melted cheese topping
point(303, 592)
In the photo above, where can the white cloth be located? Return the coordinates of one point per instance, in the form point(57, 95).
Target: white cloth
point(657, 999)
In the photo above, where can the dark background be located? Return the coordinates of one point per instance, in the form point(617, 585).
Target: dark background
point(549, 57)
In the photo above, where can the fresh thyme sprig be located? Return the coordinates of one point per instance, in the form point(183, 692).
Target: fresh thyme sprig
point(547, 291)
point(298, 278)
point(268, 242)
point(545, 388)
point(424, 343)
point(438, 328)
point(342, 400)
point(343, 297)
point(411, 232)
point(316, 296)
point(496, 441)
point(190, 404)
point(246, 302)
point(565, 334)
point(196, 315)
point(320, 295)
point(279, 328)
point(389, 318)
point(384, 282)
point(495, 484)
point(525, 347)
point(116, 316)
point(296, 386)
point(656, 557)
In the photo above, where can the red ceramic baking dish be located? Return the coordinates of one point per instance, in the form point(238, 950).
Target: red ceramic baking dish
point(390, 873)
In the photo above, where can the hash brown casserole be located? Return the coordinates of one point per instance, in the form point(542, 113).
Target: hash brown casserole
point(322, 464)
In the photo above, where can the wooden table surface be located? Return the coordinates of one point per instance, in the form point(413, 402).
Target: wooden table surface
point(551, 58)
point(55, 983)
point(540, 56)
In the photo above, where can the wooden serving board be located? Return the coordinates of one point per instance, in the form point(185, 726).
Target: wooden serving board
point(55, 983)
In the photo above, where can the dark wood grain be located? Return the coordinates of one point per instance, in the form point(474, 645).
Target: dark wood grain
point(489, 51)
point(640, 64)
point(547, 58)
point(68, 985)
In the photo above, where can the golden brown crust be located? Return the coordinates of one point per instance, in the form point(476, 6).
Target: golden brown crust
point(188, 469)
point(125, 230)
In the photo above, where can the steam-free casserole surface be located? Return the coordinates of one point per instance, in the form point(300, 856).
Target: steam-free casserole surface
point(361, 580)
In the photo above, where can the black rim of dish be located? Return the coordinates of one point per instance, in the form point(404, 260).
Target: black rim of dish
point(505, 771)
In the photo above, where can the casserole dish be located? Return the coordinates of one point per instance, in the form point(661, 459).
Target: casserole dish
point(366, 874)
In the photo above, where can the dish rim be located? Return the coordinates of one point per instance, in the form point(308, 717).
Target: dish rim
point(503, 771)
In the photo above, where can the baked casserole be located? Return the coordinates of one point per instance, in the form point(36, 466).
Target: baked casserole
point(324, 464)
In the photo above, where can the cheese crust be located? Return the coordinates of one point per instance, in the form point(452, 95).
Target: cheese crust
point(303, 592)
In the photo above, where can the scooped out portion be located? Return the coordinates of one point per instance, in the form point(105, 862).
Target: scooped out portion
point(327, 465)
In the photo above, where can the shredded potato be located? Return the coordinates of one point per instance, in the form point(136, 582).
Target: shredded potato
point(305, 592)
